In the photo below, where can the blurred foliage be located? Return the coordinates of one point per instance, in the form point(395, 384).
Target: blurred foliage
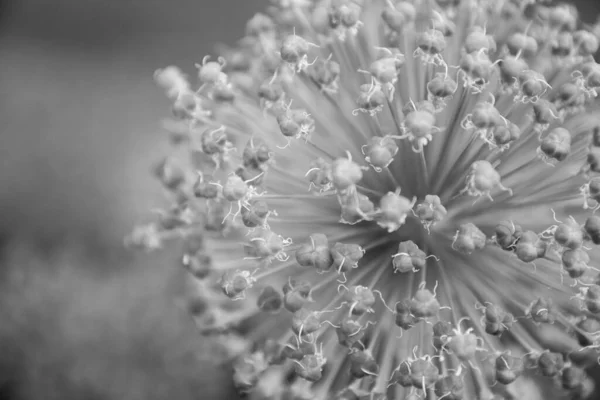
point(67, 333)
point(81, 126)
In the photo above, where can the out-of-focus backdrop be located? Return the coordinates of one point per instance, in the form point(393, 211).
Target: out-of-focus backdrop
point(80, 318)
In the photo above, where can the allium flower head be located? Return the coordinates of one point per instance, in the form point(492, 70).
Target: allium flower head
point(392, 198)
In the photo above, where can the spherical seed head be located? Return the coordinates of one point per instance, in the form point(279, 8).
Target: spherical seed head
point(173, 80)
point(361, 298)
point(393, 211)
point(485, 115)
point(379, 123)
point(557, 144)
point(478, 68)
point(350, 332)
point(319, 174)
point(355, 208)
point(206, 189)
point(385, 70)
point(271, 91)
point(593, 292)
point(255, 213)
point(592, 228)
point(398, 16)
point(423, 372)
point(345, 173)
point(507, 234)
point(549, 363)
point(541, 311)
point(530, 247)
point(544, 111)
point(485, 177)
point(264, 244)
point(211, 72)
point(409, 249)
point(297, 349)
point(256, 153)
point(315, 254)
point(493, 313)
point(402, 375)
point(511, 67)
point(587, 42)
point(305, 322)
point(325, 72)
point(442, 330)
point(591, 72)
point(420, 123)
point(424, 304)
point(371, 99)
point(451, 386)
point(288, 125)
point(380, 152)
point(293, 48)
point(505, 134)
point(430, 211)
point(532, 84)
point(572, 377)
point(463, 345)
point(302, 287)
point(431, 41)
point(362, 364)
point(380, 157)
point(403, 264)
point(569, 234)
point(506, 362)
point(442, 85)
point(346, 256)
point(404, 319)
point(521, 42)
point(469, 238)
point(587, 326)
point(270, 300)
point(477, 40)
point(310, 368)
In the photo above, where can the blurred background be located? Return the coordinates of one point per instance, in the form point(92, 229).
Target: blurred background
point(80, 317)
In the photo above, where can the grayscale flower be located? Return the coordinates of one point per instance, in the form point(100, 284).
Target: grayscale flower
point(386, 196)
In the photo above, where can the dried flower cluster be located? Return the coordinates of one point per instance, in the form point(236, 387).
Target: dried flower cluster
point(386, 196)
